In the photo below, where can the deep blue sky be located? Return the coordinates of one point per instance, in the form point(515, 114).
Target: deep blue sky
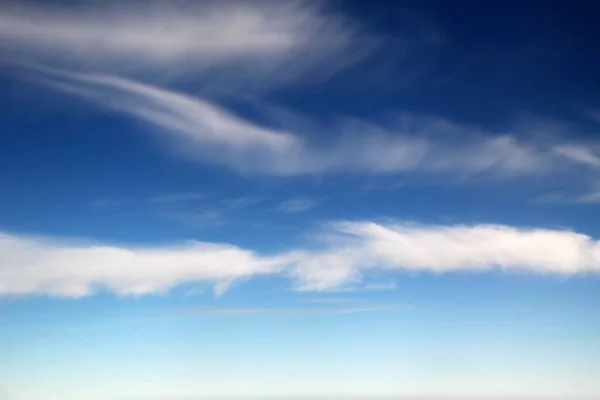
point(285, 199)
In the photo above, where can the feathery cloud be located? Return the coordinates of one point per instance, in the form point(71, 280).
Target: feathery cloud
point(262, 41)
point(176, 197)
point(201, 130)
point(592, 196)
point(298, 204)
point(580, 154)
point(294, 310)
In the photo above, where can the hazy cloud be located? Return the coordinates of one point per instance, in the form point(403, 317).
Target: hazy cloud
point(592, 196)
point(298, 204)
point(381, 286)
point(293, 310)
point(580, 154)
point(176, 197)
point(108, 203)
point(258, 41)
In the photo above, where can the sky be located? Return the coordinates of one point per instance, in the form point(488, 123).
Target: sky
point(300, 199)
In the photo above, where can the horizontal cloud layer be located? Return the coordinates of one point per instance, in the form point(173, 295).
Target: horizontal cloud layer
point(352, 249)
point(360, 308)
point(38, 266)
point(364, 246)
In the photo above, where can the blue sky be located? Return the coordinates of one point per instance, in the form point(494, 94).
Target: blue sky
point(299, 199)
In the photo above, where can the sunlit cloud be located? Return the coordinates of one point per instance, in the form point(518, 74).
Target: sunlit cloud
point(367, 246)
point(31, 265)
point(349, 252)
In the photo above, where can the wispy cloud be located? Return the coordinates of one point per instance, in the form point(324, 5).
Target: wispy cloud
point(176, 197)
point(377, 185)
point(298, 204)
point(201, 130)
point(108, 203)
point(581, 154)
point(207, 213)
point(233, 40)
point(329, 300)
point(392, 285)
point(589, 196)
point(38, 266)
point(294, 310)
point(592, 196)
point(195, 219)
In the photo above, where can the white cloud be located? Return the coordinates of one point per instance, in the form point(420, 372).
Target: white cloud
point(296, 205)
point(261, 40)
point(580, 154)
point(204, 131)
point(366, 246)
point(37, 266)
point(30, 265)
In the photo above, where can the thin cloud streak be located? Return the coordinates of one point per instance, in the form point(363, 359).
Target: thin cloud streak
point(580, 154)
point(297, 205)
point(591, 197)
point(203, 131)
point(330, 300)
point(292, 310)
point(381, 286)
point(176, 198)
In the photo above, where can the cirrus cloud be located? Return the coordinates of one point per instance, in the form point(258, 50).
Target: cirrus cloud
point(204, 131)
point(262, 42)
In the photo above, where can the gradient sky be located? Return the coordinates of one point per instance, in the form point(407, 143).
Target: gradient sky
point(284, 199)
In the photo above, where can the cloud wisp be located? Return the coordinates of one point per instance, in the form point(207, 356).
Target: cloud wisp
point(177, 198)
point(262, 41)
point(201, 130)
point(590, 197)
point(352, 250)
point(580, 154)
point(297, 205)
point(294, 310)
